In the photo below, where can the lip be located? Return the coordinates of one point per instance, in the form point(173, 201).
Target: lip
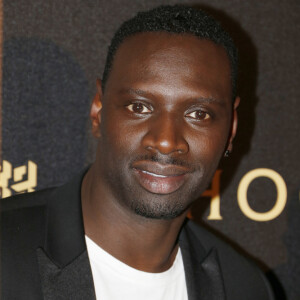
point(158, 178)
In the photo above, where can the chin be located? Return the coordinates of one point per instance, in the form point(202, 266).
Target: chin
point(159, 212)
point(161, 207)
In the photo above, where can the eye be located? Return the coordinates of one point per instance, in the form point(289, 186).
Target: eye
point(198, 115)
point(138, 108)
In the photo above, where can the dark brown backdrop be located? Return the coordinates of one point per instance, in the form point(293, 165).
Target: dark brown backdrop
point(54, 50)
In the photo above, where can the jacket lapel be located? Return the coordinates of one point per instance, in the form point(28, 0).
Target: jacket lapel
point(74, 281)
point(63, 260)
point(202, 269)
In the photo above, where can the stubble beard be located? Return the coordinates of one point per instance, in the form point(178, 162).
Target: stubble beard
point(155, 206)
point(159, 210)
point(164, 207)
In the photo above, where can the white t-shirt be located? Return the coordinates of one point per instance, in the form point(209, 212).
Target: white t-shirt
point(114, 280)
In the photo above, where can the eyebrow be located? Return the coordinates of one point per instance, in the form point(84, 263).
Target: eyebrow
point(200, 99)
point(132, 91)
point(209, 100)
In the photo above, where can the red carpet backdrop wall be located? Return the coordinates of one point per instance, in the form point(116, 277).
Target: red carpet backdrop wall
point(52, 53)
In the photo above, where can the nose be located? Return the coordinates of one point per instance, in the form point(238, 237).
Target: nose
point(165, 135)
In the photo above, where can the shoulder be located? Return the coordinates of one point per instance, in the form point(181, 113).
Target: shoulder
point(23, 218)
point(22, 233)
point(25, 200)
point(20, 213)
point(242, 278)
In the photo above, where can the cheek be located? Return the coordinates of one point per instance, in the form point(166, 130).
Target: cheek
point(208, 145)
point(119, 137)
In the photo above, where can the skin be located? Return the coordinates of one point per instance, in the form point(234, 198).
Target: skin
point(163, 123)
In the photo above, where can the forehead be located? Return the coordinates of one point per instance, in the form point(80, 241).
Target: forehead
point(171, 59)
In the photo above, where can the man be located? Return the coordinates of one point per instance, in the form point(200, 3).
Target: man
point(164, 115)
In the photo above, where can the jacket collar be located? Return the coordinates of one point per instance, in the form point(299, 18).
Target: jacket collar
point(64, 240)
point(203, 272)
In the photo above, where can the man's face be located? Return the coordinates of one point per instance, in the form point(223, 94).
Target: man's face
point(165, 122)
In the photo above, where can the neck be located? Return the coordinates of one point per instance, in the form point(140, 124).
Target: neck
point(146, 244)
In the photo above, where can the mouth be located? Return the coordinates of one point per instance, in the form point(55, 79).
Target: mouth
point(158, 178)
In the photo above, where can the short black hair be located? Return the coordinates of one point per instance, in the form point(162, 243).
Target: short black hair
point(177, 19)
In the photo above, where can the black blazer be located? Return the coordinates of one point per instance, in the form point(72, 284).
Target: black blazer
point(43, 253)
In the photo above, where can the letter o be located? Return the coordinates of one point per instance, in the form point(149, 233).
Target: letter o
point(281, 195)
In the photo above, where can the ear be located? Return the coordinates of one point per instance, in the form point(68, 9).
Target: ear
point(95, 113)
point(234, 124)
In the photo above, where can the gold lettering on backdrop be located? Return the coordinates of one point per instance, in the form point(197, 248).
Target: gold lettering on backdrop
point(5, 175)
point(21, 182)
point(281, 195)
point(214, 193)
